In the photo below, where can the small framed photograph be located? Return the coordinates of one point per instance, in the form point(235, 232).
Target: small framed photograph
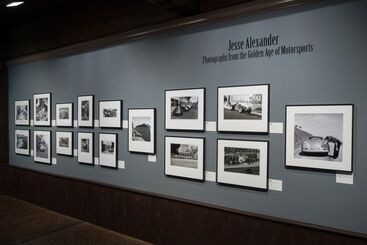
point(22, 142)
point(185, 109)
point(86, 148)
point(22, 112)
point(319, 136)
point(142, 130)
point(184, 157)
point(86, 111)
point(42, 147)
point(42, 109)
point(110, 113)
point(64, 115)
point(243, 109)
point(108, 150)
point(243, 163)
point(64, 143)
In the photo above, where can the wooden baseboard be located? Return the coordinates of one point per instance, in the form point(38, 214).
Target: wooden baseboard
point(161, 219)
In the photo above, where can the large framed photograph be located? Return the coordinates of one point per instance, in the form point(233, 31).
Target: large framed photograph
point(319, 136)
point(64, 143)
point(185, 109)
point(64, 115)
point(243, 109)
point(142, 130)
point(42, 147)
point(22, 142)
point(86, 111)
point(22, 112)
point(184, 157)
point(86, 148)
point(110, 113)
point(108, 150)
point(243, 163)
point(42, 109)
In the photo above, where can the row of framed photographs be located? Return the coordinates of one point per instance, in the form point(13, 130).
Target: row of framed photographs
point(42, 145)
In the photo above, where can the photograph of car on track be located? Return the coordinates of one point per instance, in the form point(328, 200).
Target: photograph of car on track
point(319, 136)
point(242, 106)
point(184, 107)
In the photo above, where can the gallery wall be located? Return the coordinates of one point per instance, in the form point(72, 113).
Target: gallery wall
point(139, 72)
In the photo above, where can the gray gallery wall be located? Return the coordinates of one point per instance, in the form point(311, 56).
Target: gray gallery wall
point(139, 72)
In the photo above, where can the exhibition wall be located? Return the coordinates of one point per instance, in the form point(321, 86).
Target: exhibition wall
point(329, 70)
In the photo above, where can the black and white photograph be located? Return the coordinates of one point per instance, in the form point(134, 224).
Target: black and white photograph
point(185, 109)
point(108, 150)
point(86, 148)
point(42, 109)
point(64, 115)
point(243, 109)
point(110, 114)
point(142, 130)
point(42, 147)
point(22, 142)
point(64, 143)
point(320, 137)
point(243, 163)
point(184, 157)
point(22, 112)
point(86, 111)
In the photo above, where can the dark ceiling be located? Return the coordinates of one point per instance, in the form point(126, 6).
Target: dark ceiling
point(41, 25)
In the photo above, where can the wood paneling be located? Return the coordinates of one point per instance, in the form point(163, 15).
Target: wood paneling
point(161, 219)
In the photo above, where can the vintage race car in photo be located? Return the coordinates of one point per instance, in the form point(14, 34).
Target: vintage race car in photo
point(315, 145)
point(239, 107)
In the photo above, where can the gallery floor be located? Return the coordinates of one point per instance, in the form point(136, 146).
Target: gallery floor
point(24, 223)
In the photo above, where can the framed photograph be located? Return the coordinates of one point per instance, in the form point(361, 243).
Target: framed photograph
point(86, 111)
point(64, 143)
point(86, 148)
point(185, 109)
point(184, 157)
point(110, 113)
point(108, 150)
point(42, 109)
point(64, 115)
point(142, 130)
point(319, 137)
point(243, 109)
point(243, 163)
point(22, 142)
point(22, 112)
point(42, 147)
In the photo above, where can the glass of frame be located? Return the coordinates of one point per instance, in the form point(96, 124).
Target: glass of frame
point(22, 142)
point(42, 109)
point(185, 109)
point(42, 147)
point(243, 163)
point(319, 136)
point(108, 150)
point(243, 109)
point(110, 113)
point(64, 115)
point(86, 111)
point(184, 157)
point(22, 112)
point(64, 143)
point(86, 148)
point(142, 130)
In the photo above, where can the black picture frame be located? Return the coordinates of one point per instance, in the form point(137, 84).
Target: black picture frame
point(120, 118)
point(92, 112)
point(72, 143)
point(202, 179)
point(35, 122)
point(267, 128)
point(49, 162)
point(286, 134)
point(264, 189)
point(154, 132)
point(71, 115)
point(28, 123)
point(92, 163)
point(178, 129)
point(28, 153)
point(116, 149)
